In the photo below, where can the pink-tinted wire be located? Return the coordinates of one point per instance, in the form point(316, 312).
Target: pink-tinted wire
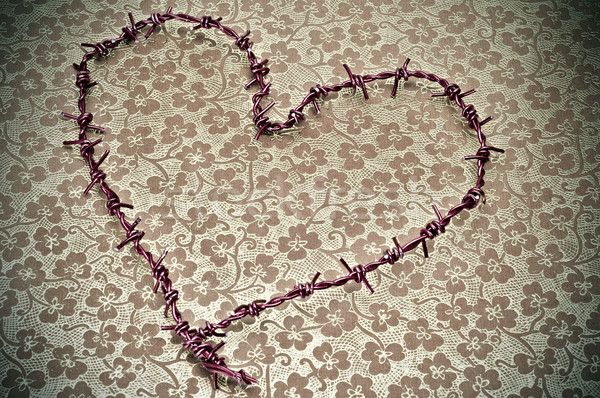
point(196, 339)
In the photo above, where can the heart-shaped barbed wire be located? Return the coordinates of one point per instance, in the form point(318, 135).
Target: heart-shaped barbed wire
point(196, 339)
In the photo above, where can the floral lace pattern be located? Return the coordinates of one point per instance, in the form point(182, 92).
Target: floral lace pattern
point(507, 304)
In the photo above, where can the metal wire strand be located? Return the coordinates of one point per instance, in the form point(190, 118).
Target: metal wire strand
point(196, 339)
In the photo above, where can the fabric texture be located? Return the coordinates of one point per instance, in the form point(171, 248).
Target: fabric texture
point(506, 305)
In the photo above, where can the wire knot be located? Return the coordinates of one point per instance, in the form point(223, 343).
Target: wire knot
point(400, 73)
point(182, 327)
point(97, 175)
point(316, 92)
point(159, 271)
point(252, 309)
point(156, 18)
point(473, 196)
point(296, 115)
point(210, 330)
point(305, 290)
point(98, 48)
point(261, 121)
point(483, 153)
point(358, 273)
point(187, 342)
point(217, 365)
point(83, 79)
point(84, 119)
point(243, 42)
point(308, 288)
point(113, 203)
point(395, 253)
point(452, 91)
point(131, 32)
point(433, 229)
point(86, 147)
point(357, 80)
point(319, 90)
point(207, 22)
point(171, 296)
point(470, 114)
point(212, 355)
point(259, 67)
point(133, 234)
point(101, 48)
point(197, 347)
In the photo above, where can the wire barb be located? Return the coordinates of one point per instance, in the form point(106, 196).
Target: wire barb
point(315, 93)
point(96, 174)
point(400, 73)
point(358, 274)
point(395, 253)
point(157, 20)
point(132, 235)
point(308, 288)
point(357, 81)
point(83, 120)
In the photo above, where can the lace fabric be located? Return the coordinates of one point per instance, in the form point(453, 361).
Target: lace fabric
point(80, 317)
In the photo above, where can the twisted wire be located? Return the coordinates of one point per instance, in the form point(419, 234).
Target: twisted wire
point(195, 339)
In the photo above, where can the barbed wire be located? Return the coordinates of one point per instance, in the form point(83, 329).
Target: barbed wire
point(196, 339)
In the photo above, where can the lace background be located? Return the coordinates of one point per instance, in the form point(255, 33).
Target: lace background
point(507, 305)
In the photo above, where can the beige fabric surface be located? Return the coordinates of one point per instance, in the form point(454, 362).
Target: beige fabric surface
point(507, 305)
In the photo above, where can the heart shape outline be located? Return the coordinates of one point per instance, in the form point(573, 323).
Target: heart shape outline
point(194, 339)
